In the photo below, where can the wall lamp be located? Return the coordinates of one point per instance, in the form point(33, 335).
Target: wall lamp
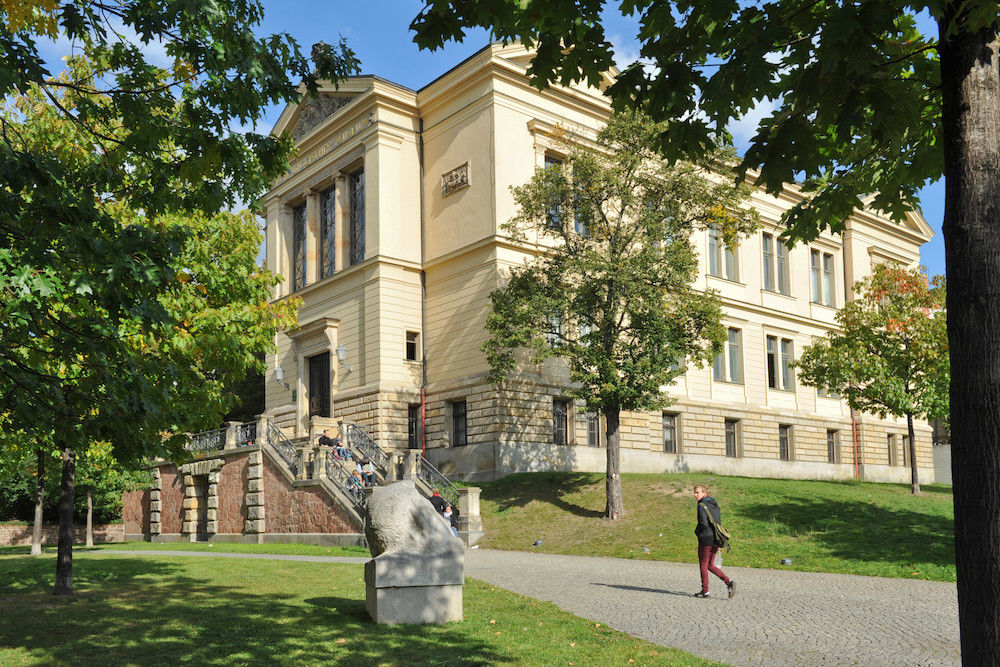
point(279, 375)
point(342, 357)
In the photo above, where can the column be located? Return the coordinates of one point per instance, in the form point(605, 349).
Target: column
point(255, 496)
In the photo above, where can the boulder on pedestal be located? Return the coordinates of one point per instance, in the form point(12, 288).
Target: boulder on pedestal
point(418, 566)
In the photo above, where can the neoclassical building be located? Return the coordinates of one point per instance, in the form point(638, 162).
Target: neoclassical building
point(387, 227)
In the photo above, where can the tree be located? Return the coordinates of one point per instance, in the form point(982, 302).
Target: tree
point(864, 105)
point(890, 356)
point(610, 290)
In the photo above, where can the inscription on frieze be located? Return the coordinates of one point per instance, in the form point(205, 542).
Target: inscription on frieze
point(454, 180)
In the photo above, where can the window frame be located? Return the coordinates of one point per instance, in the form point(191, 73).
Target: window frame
point(356, 195)
point(459, 423)
point(675, 431)
point(732, 427)
point(328, 232)
point(832, 445)
point(299, 230)
point(784, 442)
point(414, 343)
point(560, 421)
point(722, 260)
point(723, 365)
point(593, 429)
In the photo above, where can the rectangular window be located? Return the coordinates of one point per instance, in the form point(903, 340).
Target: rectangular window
point(786, 365)
point(721, 258)
point(560, 413)
point(298, 247)
point(412, 345)
point(768, 250)
point(413, 431)
point(670, 441)
point(582, 210)
point(327, 233)
point(828, 280)
point(553, 219)
point(554, 330)
point(906, 451)
point(593, 430)
point(784, 442)
point(833, 446)
point(459, 425)
point(771, 351)
point(732, 438)
point(783, 281)
point(891, 445)
point(814, 277)
point(356, 183)
point(728, 366)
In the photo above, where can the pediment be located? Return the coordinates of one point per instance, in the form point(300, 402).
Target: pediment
point(313, 110)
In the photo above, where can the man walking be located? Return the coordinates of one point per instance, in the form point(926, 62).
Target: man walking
point(708, 512)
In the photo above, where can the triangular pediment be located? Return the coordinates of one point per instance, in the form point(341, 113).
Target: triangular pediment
point(314, 109)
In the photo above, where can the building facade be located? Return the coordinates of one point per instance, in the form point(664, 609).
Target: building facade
point(388, 228)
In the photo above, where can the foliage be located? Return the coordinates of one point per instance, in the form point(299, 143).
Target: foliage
point(890, 356)
point(855, 86)
point(823, 526)
point(279, 612)
point(615, 268)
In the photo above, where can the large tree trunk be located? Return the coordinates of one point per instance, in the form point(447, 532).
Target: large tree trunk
point(914, 477)
point(64, 560)
point(90, 517)
point(615, 509)
point(971, 109)
point(36, 529)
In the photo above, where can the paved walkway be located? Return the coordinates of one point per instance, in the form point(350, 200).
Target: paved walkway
point(778, 617)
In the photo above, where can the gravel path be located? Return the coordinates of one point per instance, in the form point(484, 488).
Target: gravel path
point(778, 617)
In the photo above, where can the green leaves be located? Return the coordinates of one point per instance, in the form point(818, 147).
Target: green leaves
point(891, 355)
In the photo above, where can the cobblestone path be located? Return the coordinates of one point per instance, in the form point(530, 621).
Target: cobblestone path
point(778, 617)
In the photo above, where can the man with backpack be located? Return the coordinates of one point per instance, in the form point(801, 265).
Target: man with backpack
point(711, 536)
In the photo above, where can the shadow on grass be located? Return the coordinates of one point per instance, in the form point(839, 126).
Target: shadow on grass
point(520, 489)
point(138, 611)
point(862, 531)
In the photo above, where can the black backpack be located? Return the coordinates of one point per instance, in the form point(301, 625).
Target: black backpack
point(721, 534)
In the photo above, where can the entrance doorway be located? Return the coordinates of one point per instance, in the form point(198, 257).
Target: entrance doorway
point(319, 385)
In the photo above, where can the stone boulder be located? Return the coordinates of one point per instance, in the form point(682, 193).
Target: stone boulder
point(418, 566)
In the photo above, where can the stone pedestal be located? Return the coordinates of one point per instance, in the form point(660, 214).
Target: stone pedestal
point(411, 588)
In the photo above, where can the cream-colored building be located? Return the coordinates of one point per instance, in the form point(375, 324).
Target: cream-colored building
point(388, 228)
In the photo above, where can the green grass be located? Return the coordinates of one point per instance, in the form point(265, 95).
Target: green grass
point(847, 527)
point(169, 610)
point(240, 548)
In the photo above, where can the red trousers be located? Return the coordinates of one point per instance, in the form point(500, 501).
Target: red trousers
point(706, 561)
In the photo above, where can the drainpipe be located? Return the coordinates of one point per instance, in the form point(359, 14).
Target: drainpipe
point(423, 300)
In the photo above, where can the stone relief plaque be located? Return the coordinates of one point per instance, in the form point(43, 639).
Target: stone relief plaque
point(454, 180)
point(314, 110)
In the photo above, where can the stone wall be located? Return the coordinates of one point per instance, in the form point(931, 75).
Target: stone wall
point(232, 489)
point(171, 499)
point(20, 535)
point(135, 511)
point(300, 509)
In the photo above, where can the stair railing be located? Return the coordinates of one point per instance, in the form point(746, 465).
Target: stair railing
point(283, 446)
point(247, 434)
point(342, 480)
point(436, 480)
point(358, 437)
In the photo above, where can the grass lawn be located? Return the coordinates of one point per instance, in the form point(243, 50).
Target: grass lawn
point(170, 610)
point(848, 527)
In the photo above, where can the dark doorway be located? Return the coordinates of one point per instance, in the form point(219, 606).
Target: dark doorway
point(413, 426)
point(201, 497)
point(319, 385)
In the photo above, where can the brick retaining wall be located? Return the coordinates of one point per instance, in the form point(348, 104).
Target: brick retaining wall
point(20, 535)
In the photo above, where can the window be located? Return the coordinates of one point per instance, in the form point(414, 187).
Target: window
point(412, 345)
point(779, 363)
point(833, 446)
point(327, 233)
point(728, 366)
point(299, 247)
point(670, 435)
point(553, 219)
point(593, 430)
point(721, 258)
point(413, 431)
point(459, 425)
point(560, 412)
point(784, 442)
point(554, 330)
point(786, 365)
point(891, 445)
point(732, 438)
point(906, 451)
point(583, 331)
point(821, 277)
point(356, 183)
point(823, 393)
point(583, 212)
point(775, 265)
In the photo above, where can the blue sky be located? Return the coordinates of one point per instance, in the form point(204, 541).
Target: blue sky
point(378, 31)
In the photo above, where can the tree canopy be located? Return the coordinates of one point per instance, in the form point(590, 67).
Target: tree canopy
point(610, 290)
point(890, 355)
